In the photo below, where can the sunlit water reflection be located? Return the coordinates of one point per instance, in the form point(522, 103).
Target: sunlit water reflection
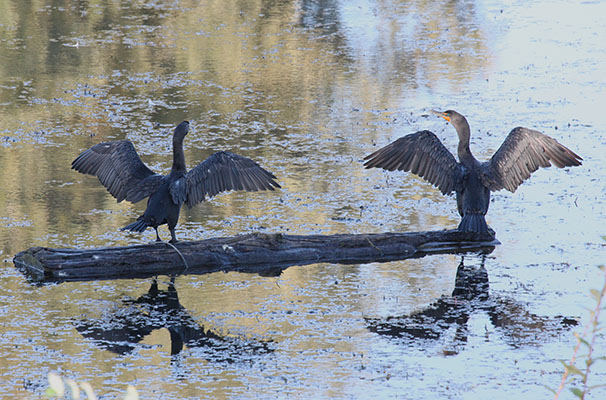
point(307, 89)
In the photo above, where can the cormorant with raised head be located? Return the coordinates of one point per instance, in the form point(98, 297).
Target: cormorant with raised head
point(523, 152)
point(126, 177)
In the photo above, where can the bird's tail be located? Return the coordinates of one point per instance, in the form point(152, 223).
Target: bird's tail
point(138, 226)
point(473, 223)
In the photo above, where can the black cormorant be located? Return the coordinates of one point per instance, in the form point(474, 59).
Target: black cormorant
point(523, 152)
point(126, 177)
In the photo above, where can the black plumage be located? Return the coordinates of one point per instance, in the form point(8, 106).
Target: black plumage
point(126, 177)
point(422, 153)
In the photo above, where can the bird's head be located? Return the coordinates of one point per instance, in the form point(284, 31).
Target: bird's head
point(449, 115)
point(181, 130)
point(457, 120)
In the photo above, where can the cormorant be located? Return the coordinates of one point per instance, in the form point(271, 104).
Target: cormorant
point(523, 152)
point(126, 177)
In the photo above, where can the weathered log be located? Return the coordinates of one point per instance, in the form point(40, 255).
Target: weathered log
point(260, 253)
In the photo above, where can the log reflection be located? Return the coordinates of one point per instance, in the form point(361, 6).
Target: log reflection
point(511, 319)
point(121, 330)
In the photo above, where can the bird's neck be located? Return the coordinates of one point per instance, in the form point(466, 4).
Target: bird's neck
point(463, 151)
point(178, 156)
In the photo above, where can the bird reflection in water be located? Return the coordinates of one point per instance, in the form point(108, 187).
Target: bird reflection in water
point(121, 330)
point(510, 318)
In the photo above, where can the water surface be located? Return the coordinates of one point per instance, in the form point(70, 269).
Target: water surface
point(306, 88)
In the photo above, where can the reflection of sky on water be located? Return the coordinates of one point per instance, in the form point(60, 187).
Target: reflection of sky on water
point(418, 45)
point(556, 61)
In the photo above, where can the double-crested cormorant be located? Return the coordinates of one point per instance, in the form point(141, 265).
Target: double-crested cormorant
point(126, 177)
point(523, 152)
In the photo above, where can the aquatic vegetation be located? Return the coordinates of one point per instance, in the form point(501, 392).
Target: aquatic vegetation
point(66, 388)
point(579, 376)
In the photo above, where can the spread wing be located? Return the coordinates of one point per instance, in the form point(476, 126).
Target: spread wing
point(226, 171)
point(421, 153)
point(522, 153)
point(119, 169)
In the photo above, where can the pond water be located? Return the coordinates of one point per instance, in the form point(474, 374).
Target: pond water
point(306, 88)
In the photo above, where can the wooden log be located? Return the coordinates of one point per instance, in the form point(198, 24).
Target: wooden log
point(267, 254)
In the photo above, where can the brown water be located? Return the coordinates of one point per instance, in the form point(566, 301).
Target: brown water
point(307, 89)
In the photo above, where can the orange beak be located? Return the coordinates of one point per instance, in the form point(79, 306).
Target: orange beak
point(441, 114)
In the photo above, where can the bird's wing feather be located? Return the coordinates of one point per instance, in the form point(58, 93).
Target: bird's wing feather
point(119, 169)
point(421, 153)
point(522, 153)
point(144, 188)
point(225, 171)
